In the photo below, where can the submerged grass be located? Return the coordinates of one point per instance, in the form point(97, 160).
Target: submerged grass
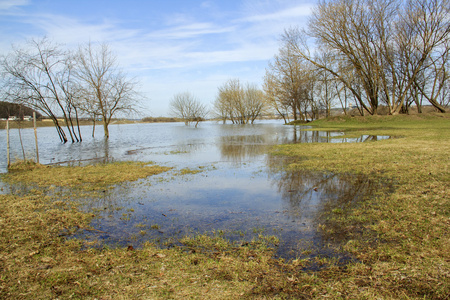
point(403, 248)
point(90, 177)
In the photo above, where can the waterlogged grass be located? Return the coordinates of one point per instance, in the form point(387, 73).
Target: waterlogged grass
point(400, 239)
point(37, 262)
point(189, 171)
point(90, 177)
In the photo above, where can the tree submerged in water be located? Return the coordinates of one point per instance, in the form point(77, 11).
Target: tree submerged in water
point(64, 85)
point(186, 107)
point(106, 88)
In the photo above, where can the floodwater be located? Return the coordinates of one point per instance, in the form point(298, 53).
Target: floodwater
point(241, 191)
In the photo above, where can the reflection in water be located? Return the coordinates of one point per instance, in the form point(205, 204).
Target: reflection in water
point(242, 191)
point(306, 189)
point(314, 136)
point(308, 197)
point(239, 202)
point(240, 148)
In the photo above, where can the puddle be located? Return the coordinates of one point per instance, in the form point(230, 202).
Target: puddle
point(239, 204)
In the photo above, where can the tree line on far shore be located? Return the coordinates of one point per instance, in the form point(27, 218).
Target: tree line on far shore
point(18, 111)
point(364, 54)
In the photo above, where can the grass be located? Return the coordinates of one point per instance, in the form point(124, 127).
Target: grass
point(410, 255)
point(401, 238)
point(90, 177)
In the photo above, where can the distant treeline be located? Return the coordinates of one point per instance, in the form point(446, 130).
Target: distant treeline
point(15, 110)
point(160, 119)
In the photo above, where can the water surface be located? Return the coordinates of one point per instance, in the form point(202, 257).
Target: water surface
point(240, 192)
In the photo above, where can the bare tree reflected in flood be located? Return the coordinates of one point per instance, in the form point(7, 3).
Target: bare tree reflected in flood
point(309, 198)
point(241, 148)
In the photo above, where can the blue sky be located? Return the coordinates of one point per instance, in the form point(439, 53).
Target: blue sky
point(170, 46)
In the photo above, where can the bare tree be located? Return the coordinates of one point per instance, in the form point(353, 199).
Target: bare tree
point(238, 103)
point(107, 90)
point(274, 98)
point(433, 81)
point(230, 100)
point(185, 106)
point(381, 46)
point(289, 83)
point(254, 102)
point(326, 86)
point(41, 77)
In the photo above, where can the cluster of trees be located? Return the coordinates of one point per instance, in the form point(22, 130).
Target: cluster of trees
point(188, 108)
point(241, 104)
point(48, 78)
point(8, 109)
point(367, 54)
point(372, 52)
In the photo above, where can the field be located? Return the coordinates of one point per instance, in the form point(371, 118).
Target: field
point(400, 238)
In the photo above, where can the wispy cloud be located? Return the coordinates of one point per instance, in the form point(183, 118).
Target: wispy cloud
point(284, 15)
point(190, 30)
point(10, 4)
point(73, 31)
point(194, 50)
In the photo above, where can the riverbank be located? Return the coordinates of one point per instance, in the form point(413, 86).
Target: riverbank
point(49, 123)
point(400, 239)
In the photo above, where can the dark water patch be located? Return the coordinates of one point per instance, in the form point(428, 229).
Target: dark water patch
point(240, 204)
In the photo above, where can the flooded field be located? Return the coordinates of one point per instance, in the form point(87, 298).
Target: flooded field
point(223, 182)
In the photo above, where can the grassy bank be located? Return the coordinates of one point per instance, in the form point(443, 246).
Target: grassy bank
point(409, 253)
point(49, 123)
point(401, 239)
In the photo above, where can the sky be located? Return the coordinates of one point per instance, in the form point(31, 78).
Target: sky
point(169, 46)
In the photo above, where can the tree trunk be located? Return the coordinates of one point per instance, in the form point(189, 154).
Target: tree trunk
point(436, 105)
point(105, 129)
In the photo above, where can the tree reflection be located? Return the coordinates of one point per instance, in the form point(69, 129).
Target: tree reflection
point(238, 148)
point(308, 196)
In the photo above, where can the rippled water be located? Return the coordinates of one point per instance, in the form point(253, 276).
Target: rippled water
point(241, 192)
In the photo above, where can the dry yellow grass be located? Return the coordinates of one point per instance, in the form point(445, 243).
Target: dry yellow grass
point(403, 244)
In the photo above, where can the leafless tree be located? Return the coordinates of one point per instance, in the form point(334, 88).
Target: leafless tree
point(40, 76)
point(254, 102)
point(326, 86)
point(274, 98)
point(107, 89)
point(289, 83)
point(185, 106)
point(241, 104)
point(381, 47)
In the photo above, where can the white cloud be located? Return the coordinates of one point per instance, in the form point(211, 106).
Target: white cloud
point(190, 30)
point(9, 4)
point(72, 31)
point(284, 15)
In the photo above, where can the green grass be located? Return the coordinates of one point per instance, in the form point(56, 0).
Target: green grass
point(403, 244)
